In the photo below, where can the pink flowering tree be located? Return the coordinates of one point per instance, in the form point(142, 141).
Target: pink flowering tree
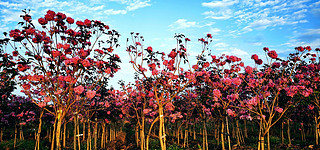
point(166, 76)
point(219, 88)
point(272, 90)
point(55, 61)
point(308, 75)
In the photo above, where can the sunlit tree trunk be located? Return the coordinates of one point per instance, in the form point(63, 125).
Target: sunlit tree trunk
point(317, 129)
point(58, 130)
point(222, 134)
point(162, 133)
point(37, 146)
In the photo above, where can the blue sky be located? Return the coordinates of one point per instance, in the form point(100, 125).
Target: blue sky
point(239, 27)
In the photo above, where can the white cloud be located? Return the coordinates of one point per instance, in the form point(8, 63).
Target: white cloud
point(265, 23)
point(183, 24)
point(114, 12)
point(236, 52)
point(214, 31)
point(312, 32)
point(7, 4)
point(300, 12)
point(221, 44)
point(263, 4)
point(316, 3)
point(138, 4)
point(223, 3)
point(222, 14)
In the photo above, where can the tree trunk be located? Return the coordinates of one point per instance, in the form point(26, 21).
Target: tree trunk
point(37, 146)
point(103, 126)
point(238, 132)
point(245, 129)
point(142, 134)
point(162, 133)
point(317, 129)
point(75, 132)
point(95, 134)
point(228, 133)
point(64, 135)
point(15, 137)
point(185, 135)
point(1, 134)
point(222, 134)
point(58, 130)
point(288, 131)
point(84, 130)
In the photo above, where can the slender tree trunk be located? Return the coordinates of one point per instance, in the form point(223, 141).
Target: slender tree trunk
point(1, 134)
point(142, 134)
point(103, 126)
point(162, 133)
point(194, 131)
point(282, 133)
point(268, 138)
point(53, 133)
point(238, 132)
point(95, 134)
point(78, 132)
point(75, 132)
point(288, 131)
point(84, 130)
point(21, 137)
point(185, 135)
point(137, 128)
point(222, 134)
point(317, 129)
point(245, 129)
point(203, 137)
point(37, 146)
point(15, 136)
point(64, 135)
point(228, 133)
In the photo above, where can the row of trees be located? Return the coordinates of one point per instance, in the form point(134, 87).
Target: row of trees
point(64, 69)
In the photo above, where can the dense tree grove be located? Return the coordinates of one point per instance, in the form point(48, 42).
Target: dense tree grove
point(63, 70)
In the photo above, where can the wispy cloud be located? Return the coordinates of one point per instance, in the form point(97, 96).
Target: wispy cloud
point(250, 15)
point(236, 52)
point(265, 23)
point(114, 12)
point(223, 3)
point(183, 24)
point(138, 4)
point(222, 14)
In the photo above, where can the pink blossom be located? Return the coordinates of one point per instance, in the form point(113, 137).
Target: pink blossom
point(79, 89)
point(22, 123)
point(86, 63)
point(278, 109)
point(216, 93)
point(145, 111)
point(169, 106)
point(90, 94)
point(227, 81)
point(310, 107)
point(249, 70)
point(106, 104)
point(58, 92)
point(42, 104)
point(236, 81)
point(47, 99)
point(231, 113)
